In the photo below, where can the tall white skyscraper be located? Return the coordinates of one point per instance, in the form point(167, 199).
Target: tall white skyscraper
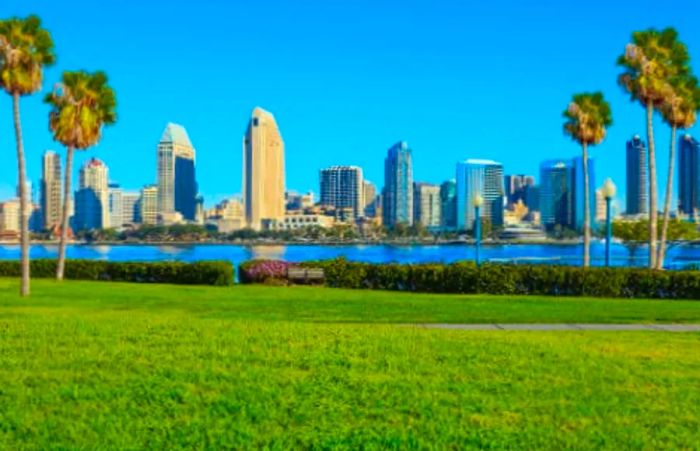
point(177, 185)
point(51, 186)
point(263, 170)
point(92, 197)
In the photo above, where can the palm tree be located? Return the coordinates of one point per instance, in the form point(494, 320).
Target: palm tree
point(80, 105)
point(25, 48)
point(679, 111)
point(587, 118)
point(650, 61)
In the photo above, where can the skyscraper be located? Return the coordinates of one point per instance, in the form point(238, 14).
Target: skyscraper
point(116, 206)
point(341, 188)
point(177, 185)
point(688, 175)
point(51, 189)
point(369, 195)
point(516, 186)
point(397, 203)
point(148, 205)
point(426, 205)
point(556, 194)
point(485, 178)
point(92, 197)
point(130, 206)
point(263, 170)
point(637, 188)
point(448, 204)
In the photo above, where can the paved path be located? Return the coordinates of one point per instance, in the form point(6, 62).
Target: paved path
point(548, 327)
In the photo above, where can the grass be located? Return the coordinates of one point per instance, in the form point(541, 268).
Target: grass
point(335, 305)
point(100, 365)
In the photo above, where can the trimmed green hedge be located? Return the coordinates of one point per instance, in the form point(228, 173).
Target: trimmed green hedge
point(466, 277)
point(218, 273)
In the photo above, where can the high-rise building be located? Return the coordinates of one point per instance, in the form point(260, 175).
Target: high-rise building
point(562, 198)
point(688, 175)
point(516, 187)
point(341, 188)
point(263, 170)
point(637, 187)
point(369, 195)
point(116, 206)
point(92, 197)
point(397, 202)
point(9, 216)
point(484, 178)
point(448, 204)
point(130, 208)
point(426, 205)
point(51, 190)
point(177, 184)
point(148, 205)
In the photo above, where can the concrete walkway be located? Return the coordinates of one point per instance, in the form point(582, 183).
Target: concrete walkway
point(550, 327)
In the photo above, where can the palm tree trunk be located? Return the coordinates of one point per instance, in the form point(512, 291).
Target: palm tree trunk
point(23, 204)
point(586, 210)
point(667, 201)
point(60, 267)
point(653, 203)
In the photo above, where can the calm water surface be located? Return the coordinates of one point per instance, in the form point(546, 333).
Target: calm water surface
point(679, 256)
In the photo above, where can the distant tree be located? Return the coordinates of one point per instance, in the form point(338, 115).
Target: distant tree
point(80, 106)
point(587, 118)
point(633, 234)
point(650, 62)
point(25, 49)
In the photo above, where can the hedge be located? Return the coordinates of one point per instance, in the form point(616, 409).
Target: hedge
point(218, 273)
point(505, 279)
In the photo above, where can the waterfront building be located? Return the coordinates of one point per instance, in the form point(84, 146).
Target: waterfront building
point(556, 194)
point(299, 221)
point(484, 178)
point(637, 181)
point(369, 195)
point(426, 205)
point(176, 180)
point(397, 202)
point(297, 201)
point(116, 206)
point(448, 204)
point(341, 188)
point(130, 208)
point(148, 205)
point(688, 175)
point(51, 187)
point(515, 188)
point(263, 170)
point(9, 216)
point(92, 197)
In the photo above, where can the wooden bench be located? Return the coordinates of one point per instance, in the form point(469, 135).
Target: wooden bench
point(305, 275)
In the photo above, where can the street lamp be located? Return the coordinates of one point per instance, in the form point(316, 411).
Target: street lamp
point(478, 202)
point(609, 190)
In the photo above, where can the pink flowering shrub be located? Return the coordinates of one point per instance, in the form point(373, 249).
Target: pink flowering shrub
point(264, 271)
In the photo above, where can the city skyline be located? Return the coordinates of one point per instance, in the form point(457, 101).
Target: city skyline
point(321, 101)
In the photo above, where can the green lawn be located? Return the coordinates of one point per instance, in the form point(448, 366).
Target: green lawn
point(99, 365)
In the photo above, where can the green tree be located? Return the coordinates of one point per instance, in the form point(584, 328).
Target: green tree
point(679, 110)
point(650, 61)
point(633, 234)
point(587, 117)
point(80, 106)
point(25, 49)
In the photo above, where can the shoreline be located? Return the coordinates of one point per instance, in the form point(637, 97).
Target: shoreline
point(300, 243)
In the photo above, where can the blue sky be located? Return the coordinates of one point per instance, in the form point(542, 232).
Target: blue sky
point(345, 80)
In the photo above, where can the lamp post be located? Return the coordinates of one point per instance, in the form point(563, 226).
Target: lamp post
point(478, 202)
point(609, 190)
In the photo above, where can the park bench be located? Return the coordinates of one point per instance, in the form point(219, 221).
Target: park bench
point(306, 276)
